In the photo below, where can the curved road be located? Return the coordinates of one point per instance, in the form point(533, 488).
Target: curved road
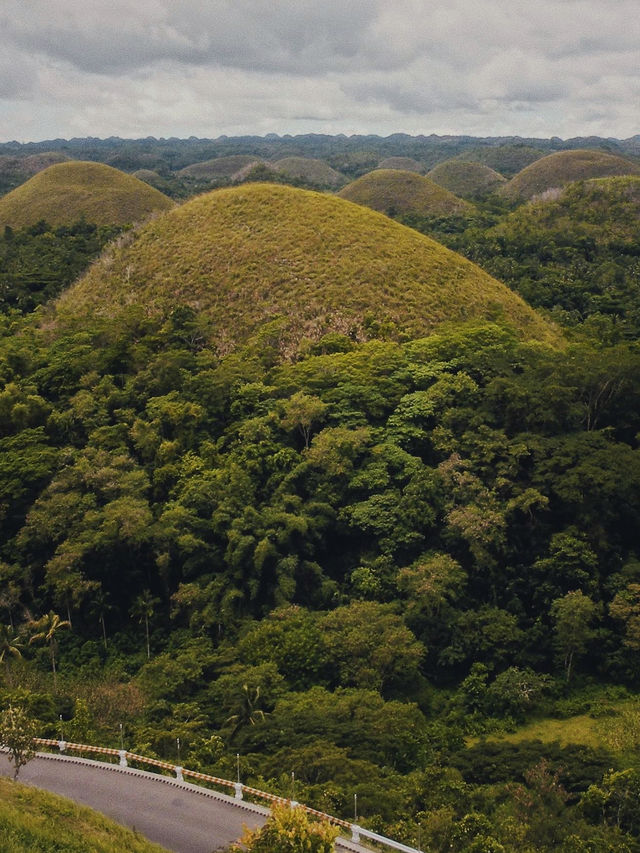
point(181, 817)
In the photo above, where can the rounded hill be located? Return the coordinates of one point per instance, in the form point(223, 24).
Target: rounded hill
point(309, 169)
point(406, 164)
point(219, 167)
point(396, 192)
point(556, 170)
point(244, 256)
point(602, 210)
point(467, 180)
point(67, 192)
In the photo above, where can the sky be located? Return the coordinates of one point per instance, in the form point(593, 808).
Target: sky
point(137, 68)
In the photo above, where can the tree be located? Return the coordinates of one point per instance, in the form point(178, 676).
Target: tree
point(46, 629)
point(370, 645)
point(248, 712)
point(10, 645)
point(302, 411)
point(625, 608)
point(572, 615)
point(17, 732)
point(142, 609)
point(289, 830)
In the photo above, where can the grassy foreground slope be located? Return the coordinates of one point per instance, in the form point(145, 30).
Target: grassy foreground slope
point(33, 821)
point(67, 192)
point(246, 255)
point(396, 192)
point(465, 179)
point(563, 167)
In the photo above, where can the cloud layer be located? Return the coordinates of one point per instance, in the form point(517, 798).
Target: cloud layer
point(208, 67)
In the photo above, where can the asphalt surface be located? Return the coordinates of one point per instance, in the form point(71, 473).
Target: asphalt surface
point(180, 817)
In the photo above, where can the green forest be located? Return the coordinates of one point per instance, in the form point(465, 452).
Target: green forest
point(403, 569)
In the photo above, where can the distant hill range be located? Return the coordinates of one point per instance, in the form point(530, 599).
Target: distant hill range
point(506, 154)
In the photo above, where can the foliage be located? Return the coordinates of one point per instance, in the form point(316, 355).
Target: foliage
point(37, 262)
point(17, 731)
point(289, 830)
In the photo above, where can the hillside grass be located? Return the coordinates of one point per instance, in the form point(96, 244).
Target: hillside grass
point(466, 180)
point(67, 192)
point(609, 724)
point(559, 169)
point(396, 193)
point(309, 169)
point(243, 256)
point(34, 821)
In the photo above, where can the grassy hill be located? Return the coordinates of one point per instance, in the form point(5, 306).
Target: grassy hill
point(33, 821)
point(563, 167)
point(406, 164)
point(309, 169)
point(219, 167)
point(246, 255)
point(602, 209)
point(395, 193)
point(154, 179)
point(466, 180)
point(66, 192)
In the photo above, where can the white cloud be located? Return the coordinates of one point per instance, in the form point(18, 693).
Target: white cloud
point(206, 67)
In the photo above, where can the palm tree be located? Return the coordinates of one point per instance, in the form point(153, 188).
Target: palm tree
point(100, 607)
point(46, 629)
point(248, 713)
point(10, 646)
point(143, 608)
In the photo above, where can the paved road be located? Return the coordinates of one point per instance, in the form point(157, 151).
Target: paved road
point(179, 817)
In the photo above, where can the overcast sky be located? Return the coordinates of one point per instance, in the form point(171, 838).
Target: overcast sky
point(135, 68)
